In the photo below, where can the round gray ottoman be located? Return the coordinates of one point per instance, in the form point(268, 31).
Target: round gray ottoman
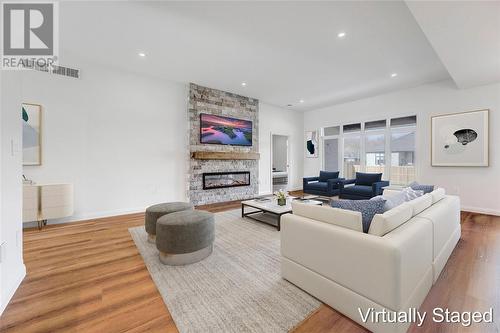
point(153, 213)
point(185, 237)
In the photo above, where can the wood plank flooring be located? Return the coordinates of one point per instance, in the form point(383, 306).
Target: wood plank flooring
point(89, 277)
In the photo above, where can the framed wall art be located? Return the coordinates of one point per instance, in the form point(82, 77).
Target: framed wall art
point(32, 134)
point(460, 139)
point(312, 144)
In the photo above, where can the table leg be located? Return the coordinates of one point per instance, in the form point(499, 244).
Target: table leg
point(279, 222)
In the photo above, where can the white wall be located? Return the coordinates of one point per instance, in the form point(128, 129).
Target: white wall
point(275, 120)
point(12, 269)
point(120, 138)
point(478, 187)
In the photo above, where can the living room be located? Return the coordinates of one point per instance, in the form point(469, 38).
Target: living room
point(176, 169)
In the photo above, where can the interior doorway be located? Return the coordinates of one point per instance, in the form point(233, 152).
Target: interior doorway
point(280, 164)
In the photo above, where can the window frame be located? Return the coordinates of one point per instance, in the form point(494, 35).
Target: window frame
point(387, 131)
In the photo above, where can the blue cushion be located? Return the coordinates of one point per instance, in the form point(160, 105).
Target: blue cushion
point(418, 187)
point(368, 209)
point(321, 186)
point(362, 190)
point(367, 179)
point(325, 175)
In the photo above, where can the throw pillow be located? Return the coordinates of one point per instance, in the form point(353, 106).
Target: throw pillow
point(420, 187)
point(392, 201)
point(411, 194)
point(367, 208)
point(325, 175)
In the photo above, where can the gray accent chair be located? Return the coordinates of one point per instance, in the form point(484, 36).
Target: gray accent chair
point(185, 237)
point(153, 213)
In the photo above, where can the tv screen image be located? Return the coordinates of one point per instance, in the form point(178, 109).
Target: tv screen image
point(225, 131)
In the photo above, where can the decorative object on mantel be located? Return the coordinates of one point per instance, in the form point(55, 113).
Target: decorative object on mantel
point(47, 201)
point(460, 139)
point(32, 137)
point(221, 155)
point(312, 144)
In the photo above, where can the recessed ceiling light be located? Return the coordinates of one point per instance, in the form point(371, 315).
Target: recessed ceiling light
point(243, 84)
point(341, 34)
point(301, 101)
point(142, 54)
point(394, 74)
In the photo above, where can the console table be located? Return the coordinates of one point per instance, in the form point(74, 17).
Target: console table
point(47, 201)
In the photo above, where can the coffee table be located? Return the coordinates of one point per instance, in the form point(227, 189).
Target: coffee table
point(270, 207)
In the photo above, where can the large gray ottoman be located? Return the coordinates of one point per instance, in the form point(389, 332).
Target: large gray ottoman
point(153, 213)
point(185, 237)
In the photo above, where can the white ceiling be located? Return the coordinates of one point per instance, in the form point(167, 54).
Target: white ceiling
point(284, 51)
point(465, 35)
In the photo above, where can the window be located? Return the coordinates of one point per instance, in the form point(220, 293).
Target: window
point(375, 152)
point(403, 150)
point(352, 154)
point(352, 128)
point(330, 131)
point(384, 146)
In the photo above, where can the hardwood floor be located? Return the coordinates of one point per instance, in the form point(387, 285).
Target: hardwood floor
point(89, 277)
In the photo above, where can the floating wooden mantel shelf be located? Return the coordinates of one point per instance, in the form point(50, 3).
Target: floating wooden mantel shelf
point(219, 155)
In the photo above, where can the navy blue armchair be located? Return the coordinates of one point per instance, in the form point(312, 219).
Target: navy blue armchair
point(366, 186)
point(327, 184)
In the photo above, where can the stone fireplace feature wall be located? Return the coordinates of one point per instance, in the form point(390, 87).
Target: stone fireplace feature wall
point(221, 103)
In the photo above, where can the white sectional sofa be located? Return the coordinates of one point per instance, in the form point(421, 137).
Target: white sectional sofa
point(392, 267)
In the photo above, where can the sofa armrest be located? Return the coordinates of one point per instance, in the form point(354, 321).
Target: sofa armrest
point(345, 182)
point(334, 183)
point(374, 267)
point(377, 187)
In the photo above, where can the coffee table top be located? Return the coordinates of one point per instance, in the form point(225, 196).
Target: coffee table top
point(273, 207)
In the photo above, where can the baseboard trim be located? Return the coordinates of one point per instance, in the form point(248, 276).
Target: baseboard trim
point(480, 210)
point(80, 218)
point(20, 274)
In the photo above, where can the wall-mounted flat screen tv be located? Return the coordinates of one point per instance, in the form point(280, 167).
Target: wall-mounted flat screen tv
point(225, 131)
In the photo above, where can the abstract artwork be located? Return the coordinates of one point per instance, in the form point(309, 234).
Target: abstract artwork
point(460, 139)
point(312, 144)
point(32, 145)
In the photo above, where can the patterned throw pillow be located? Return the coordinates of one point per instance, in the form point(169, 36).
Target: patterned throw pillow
point(411, 194)
point(419, 187)
point(367, 208)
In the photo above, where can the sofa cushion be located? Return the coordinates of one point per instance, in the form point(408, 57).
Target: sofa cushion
point(368, 209)
point(420, 187)
point(437, 195)
point(339, 217)
point(421, 203)
point(390, 220)
point(362, 190)
point(320, 186)
point(367, 179)
point(325, 175)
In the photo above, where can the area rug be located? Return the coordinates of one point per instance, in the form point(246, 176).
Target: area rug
point(238, 288)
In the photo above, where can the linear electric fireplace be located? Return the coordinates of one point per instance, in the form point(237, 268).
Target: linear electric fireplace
point(225, 179)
